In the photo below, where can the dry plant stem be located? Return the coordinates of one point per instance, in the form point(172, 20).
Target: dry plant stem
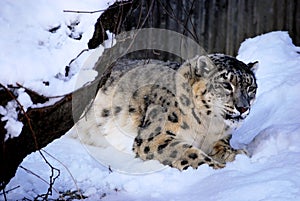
point(172, 15)
point(4, 192)
point(130, 45)
point(24, 113)
point(73, 179)
point(49, 192)
point(52, 177)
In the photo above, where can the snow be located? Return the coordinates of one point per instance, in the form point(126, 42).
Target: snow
point(35, 56)
point(271, 132)
point(10, 114)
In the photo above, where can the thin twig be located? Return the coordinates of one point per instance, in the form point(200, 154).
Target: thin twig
point(24, 113)
point(193, 25)
point(86, 12)
point(36, 175)
point(140, 17)
point(138, 30)
point(172, 15)
point(52, 177)
point(81, 196)
point(51, 182)
point(188, 19)
point(5, 192)
point(147, 16)
point(96, 11)
point(35, 97)
point(47, 97)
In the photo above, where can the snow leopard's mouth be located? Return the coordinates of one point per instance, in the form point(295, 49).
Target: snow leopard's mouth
point(237, 115)
point(233, 117)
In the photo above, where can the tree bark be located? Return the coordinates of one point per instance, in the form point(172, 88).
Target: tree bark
point(43, 125)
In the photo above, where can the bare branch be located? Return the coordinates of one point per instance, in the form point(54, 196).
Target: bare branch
point(96, 11)
point(43, 196)
point(7, 191)
point(24, 113)
point(73, 179)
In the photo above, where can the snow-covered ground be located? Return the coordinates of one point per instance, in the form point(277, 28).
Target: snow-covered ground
point(38, 41)
point(32, 55)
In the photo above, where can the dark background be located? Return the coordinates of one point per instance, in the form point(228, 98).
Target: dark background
point(218, 25)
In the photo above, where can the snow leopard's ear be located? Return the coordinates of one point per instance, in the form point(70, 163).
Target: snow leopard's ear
point(204, 66)
point(253, 66)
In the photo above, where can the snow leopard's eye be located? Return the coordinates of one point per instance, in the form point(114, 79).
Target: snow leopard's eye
point(227, 86)
point(251, 89)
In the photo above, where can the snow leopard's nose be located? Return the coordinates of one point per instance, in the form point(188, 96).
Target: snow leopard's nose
point(242, 109)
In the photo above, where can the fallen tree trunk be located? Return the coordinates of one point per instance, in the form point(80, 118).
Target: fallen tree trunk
point(43, 125)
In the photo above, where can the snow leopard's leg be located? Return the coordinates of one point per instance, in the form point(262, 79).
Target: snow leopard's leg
point(157, 140)
point(223, 152)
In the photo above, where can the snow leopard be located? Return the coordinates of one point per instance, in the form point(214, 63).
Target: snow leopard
point(181, 115)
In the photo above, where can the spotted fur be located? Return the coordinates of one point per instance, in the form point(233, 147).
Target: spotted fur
point(182, 116)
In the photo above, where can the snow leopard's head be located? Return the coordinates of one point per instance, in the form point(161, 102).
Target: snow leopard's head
point(230, 86)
